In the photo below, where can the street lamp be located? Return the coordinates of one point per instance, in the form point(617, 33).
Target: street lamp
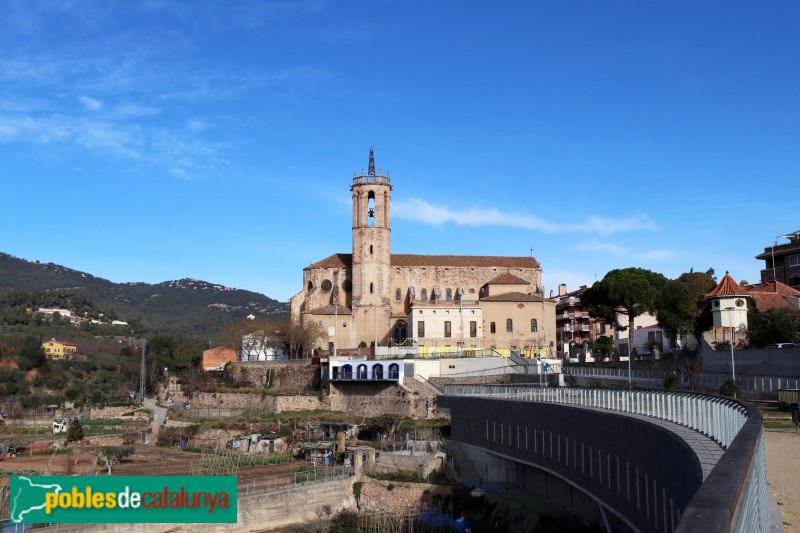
point(733, 364)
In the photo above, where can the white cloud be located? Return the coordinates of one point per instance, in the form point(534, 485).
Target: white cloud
point(181, 173)
point(426, 213)
point(90, 103)
point(597, 246)
point(657, 255)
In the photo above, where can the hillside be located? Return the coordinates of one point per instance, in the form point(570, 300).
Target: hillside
point(186, 307)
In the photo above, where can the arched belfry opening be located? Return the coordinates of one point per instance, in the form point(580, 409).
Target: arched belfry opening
point(371, 209)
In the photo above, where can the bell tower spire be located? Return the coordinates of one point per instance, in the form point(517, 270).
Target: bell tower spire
point(371, 171)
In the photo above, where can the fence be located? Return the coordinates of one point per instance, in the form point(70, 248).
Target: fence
point(709, 381)
point(294, 481)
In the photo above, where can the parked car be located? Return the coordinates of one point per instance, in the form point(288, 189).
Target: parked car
point(783, 345)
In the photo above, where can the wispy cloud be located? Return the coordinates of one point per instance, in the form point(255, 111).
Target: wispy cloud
point(89, 103)
point(657, 255)
point(426, 213)
point(605, 247)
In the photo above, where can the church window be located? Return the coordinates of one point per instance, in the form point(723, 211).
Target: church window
point(492, 328)
point(447, 329)
point(326, 285)
point(473, 328)
point(397, 295)
point(310, 286)
point(370, 249)
point(347, 285)
point(420, 328)
point(509, 325)
point(371, 288)
point(534, 325)
point(449, 295)
point(424, 295)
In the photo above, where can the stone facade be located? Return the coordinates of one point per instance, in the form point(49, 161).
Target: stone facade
point(368, 295)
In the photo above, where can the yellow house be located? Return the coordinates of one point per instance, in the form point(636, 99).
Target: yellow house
point(54, 349)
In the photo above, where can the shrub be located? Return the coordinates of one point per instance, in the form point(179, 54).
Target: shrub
point(671, 381)
point(730, 388)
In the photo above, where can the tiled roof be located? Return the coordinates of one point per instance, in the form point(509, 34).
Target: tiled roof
point(513, 297)
point(771, 300)
point(412, 260)
point(772, 286)
point(727, 287)
point(216, 357)
point(507, 278)
point(330, 309)
point(333, 261)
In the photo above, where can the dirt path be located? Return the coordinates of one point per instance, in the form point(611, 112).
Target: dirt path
point(783, 474)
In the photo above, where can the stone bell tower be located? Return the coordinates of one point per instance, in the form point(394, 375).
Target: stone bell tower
point(372, 194)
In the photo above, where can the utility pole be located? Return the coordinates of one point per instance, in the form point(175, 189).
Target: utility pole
point(142, 370)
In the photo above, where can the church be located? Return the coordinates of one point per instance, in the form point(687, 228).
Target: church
point(425, 303)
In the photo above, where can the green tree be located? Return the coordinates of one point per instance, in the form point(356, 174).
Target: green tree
point(602, 347)
point(75, 431)
point(776, 325)
point(112, 455)
point(30, 353)
point(682, 303)
point(631, 291)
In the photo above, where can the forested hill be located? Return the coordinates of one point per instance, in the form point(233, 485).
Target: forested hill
point(186, 307)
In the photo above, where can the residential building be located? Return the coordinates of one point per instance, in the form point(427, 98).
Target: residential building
point(217, 358)
point(574, 325)
point(730, 301)
point(782, 261)
point(372, 296)
point(54, 349)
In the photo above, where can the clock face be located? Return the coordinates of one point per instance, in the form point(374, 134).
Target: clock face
point(326, 285)
point(739, 302)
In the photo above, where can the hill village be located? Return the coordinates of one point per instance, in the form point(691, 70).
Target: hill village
point(337, 415)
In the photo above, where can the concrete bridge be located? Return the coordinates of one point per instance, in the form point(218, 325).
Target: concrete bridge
point(635, 460)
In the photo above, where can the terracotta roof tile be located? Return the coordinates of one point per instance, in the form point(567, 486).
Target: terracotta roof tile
point(772, 300)
point(727, 287)
point(772, 286)
point(512, 297)
point(412, 260)
point(507, 278)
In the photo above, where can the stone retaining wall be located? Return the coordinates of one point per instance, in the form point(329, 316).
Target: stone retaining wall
point(280, 376)
point(373, 399)
point(236, 400)
point(400, 498)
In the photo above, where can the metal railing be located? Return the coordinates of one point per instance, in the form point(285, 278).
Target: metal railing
point(706, 380)
point(719, 419)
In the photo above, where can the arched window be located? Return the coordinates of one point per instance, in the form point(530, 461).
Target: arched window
point(492, 328)
point(370, 249)
point(397, 295)
point(449, 295)
point(371, 288)
point(534, 325)
point(347, 372)
point(362, 371)
point(509, 325)
point(394, 371)
point(310, 286)
point(424, 295)
point(377, 372)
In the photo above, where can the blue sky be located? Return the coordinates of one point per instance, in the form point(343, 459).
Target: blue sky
point(156, 140)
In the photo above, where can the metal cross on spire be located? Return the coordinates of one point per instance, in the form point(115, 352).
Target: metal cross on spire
point(371, 171)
